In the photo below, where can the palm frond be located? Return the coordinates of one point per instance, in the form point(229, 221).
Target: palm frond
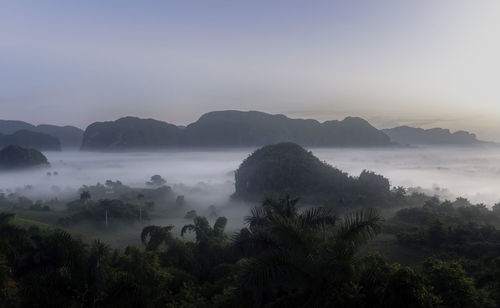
point(356, 229)
point(257, 216)
point(271, 269)
point(147, 231)
point(291, 234)
point(220, 226)
point(188, 228)
point(318, 217)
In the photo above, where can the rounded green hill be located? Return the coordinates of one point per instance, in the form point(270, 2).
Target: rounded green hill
point(15, 157)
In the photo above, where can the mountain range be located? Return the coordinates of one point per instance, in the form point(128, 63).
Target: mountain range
point(232, 129)
point(31, 139)
point(229, 128)
point(406, 135)
point(68, 136)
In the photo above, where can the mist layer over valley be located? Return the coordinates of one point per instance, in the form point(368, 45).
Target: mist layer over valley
point(448, 172)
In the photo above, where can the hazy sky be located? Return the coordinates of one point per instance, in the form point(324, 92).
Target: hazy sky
point(425, 63)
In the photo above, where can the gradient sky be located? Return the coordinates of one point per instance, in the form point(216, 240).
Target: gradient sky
point(423, 63)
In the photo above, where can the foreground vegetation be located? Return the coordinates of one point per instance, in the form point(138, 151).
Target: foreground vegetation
point(285, 256)
point(425, 253)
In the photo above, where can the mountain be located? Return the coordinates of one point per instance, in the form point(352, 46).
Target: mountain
point(231, 129)
point(31, 139)
point(9, 126)
point(69, 136)
point(16, 157)
point(278, 168)
point(130, 133)
point(253, 128)
point(406, 135)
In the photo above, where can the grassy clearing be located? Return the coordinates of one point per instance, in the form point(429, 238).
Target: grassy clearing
point(27, 223)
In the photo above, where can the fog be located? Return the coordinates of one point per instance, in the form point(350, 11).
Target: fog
point(473, 173)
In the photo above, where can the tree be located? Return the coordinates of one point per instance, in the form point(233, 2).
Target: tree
point(202, 228)
point(302, 258)
point(451, 284)
point(156, 180)
point(406, 288)
point(154, 236)
point(210, 246)
point(85, 196)
point(137, 280)
point(97, 266)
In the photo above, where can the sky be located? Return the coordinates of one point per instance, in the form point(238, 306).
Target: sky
point(423, 63)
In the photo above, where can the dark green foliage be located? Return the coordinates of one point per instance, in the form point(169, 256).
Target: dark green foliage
point(38, 206)
point(301, 257)
point(117, 190)
point(153, 236)
point(457, 228)
point(16, 157)
point(407, 288)
point(451, 284)
point(489, 278)
point(116, 211)
point(85, 196)
point(137, 280)
point(285, 256)
point(277, 168)
point(156, 180)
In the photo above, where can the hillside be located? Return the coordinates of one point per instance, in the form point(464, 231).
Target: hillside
point(10, 126)
point(231, 129)
point(16, 157)
point(69, 136)
point(406, 135)
point(31, 139)
point(130, 133)
point(277, 168)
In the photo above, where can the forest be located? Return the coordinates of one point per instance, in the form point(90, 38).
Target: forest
point(316, 237)
point(250, 154)
point(286, 255)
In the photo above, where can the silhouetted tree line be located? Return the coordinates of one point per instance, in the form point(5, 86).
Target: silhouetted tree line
point(284, 256)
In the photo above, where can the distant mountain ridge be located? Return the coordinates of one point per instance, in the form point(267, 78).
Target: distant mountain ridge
point(231, 128)
point(69, 136)
point(406, 135)
point(31, 139)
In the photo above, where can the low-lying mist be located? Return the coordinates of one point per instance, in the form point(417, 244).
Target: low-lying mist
point(208, 176)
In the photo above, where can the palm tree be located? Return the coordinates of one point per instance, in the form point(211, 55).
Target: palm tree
point(96, 266)
point(85, 196)
point(202, 228)
point(209, 249)
point(153, 236)
point(301, 258)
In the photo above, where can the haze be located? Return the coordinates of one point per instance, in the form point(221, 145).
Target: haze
point(207, 177)
point(423, 63)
